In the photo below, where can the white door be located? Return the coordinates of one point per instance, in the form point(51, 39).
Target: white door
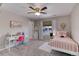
point(35, 35)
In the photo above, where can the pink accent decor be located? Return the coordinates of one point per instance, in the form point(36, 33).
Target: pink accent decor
point(21, 38)
point(26, 47)
point(61, 33)
point(31, 39)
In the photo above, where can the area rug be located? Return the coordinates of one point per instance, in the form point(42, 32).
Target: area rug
point(45, 47)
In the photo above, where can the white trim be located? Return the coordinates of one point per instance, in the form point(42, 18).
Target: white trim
point(3, 49)
point(6, 47)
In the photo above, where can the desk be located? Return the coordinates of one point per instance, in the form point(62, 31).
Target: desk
point(11, 38)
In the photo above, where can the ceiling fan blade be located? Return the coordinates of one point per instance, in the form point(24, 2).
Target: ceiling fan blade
point(43, 12)
point(32, 8)
point(30, 12)
point(43, 8)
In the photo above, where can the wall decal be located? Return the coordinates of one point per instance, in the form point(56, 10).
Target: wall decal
point(14, 23)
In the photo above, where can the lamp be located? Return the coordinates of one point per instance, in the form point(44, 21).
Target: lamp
point(37, 13)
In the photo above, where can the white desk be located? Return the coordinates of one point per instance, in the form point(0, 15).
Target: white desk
point(10, 39)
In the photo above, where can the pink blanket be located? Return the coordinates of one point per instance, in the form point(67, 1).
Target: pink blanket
point(64, 43)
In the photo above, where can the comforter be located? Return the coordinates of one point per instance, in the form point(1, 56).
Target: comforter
point(65, 43)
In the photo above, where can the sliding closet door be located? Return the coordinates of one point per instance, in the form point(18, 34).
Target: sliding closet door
point(36, 30)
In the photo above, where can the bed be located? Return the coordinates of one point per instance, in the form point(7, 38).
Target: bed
point(63, 43)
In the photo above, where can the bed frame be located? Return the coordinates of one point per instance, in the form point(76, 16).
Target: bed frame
point(65, 34)
point(66, 51)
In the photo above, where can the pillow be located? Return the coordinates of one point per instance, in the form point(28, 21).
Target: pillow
point(61, 34)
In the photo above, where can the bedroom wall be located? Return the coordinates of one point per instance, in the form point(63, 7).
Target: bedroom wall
point(5, 17)
point(75, 23)
point(61, 19)
point(56, 21)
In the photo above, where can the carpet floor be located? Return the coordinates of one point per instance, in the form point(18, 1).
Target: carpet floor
point(31, 50)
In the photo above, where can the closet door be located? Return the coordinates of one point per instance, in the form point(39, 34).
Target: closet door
point(36, 30)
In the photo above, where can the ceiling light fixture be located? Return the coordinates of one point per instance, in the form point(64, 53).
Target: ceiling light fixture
point(37, 13)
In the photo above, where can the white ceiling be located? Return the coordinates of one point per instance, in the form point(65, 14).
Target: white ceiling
point(58, 9)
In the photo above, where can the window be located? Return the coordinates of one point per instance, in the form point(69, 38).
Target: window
point(47, 23)
point(47, 27)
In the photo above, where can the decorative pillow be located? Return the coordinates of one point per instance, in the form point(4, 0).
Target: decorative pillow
point(61, 34)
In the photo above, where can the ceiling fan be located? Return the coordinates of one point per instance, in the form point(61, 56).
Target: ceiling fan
point(37, 11)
